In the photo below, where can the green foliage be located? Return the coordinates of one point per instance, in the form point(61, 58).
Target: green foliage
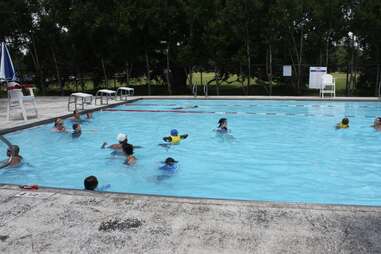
point(95, 39)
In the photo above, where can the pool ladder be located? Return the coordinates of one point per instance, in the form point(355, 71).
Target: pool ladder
point(8, 144)
point(194, 90)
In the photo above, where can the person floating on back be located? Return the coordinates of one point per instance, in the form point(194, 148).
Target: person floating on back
point(59, 125)
point(91, 184)
point(174, 138)
point(128, 150)
point(76, 130)
point(377, 123)
point(344, 124)
point(14, 158)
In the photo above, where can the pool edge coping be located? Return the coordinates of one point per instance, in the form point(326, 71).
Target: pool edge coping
point(199, 200)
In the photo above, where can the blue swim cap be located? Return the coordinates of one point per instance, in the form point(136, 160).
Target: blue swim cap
point(174, 132)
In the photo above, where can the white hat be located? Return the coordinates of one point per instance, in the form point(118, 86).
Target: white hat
point(121, 137)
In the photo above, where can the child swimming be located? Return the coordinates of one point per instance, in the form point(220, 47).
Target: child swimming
point(344, 124)
point(174, 138)
point(128, 149)
point(76, 130)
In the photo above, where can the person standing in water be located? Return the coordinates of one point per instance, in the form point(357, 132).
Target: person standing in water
point(14, 158)
point(59, 125)
point(222, 126)
point(377, 123)
point(76, 130)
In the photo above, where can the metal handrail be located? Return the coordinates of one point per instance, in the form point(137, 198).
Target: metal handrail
point(206, 90)
point(9, 145)
point(5, 141)
point(194, 90)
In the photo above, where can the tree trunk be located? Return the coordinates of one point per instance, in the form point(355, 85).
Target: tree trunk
point(248, 55)
point(270, 69)
point(37, 66)
point(347, 82)
point(327, 52)
point(58, 76)
point(217, 78)
point(127, 74)
point(299, 82)
point(104, 71)
point(377, 92)
point(168, 72)
point(178, 79)
point(148, 73)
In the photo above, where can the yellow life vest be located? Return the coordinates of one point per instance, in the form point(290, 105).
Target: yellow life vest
point(343, 126)
point(175, 139)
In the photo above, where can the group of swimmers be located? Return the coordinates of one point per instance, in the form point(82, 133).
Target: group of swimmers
point(123, 148)
point(76, 119)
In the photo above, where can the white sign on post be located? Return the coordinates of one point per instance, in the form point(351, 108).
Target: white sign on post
point(315, 76)
point(287, 71)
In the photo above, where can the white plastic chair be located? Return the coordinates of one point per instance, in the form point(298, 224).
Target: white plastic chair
point(123, 92)
point(79, 99)
point(18, 102)
point(104, 94)
point(328, 85)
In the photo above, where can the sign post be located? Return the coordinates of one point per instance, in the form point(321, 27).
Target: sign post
point(315, 77)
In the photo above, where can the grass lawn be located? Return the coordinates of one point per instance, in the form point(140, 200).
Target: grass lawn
point(206, 77)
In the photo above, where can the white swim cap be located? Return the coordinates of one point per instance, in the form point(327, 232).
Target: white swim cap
point(121, 137)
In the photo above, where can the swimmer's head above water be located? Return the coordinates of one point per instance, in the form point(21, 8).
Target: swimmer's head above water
point(76, 115)
point(170, 161)
point(13, 150)
point(377, 122)
point(343, 124)
point(90, 183)
point(122, 138)
point(223, 123)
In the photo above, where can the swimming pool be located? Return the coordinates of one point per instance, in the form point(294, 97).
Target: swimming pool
point(285, 151)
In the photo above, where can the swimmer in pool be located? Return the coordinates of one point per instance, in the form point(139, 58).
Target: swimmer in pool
point(186, 107)
point(91, 183)
point(170, 166)
point(168, 170)
point(344, 124)
point(89, 115)
point(377, 124)
point(174, 138)
point(59, 125)
point(14, 158)
point(76, 130)
point(128, 150)
point(76, 116)
point(122, 139)
point(222, 126)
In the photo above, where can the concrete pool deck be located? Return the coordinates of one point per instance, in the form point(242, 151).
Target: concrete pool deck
point(69, 221)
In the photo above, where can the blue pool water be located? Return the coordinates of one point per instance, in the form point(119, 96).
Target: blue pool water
point(280, 151)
